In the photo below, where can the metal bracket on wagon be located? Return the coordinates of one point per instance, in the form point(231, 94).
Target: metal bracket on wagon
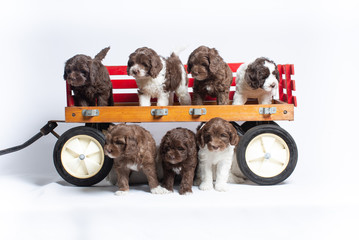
point(159, 112)
point(90, 113)
point(197, 111)
point(269, 110)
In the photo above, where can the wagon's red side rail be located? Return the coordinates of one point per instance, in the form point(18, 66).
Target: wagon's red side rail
point(287, 84)
point(125, 87)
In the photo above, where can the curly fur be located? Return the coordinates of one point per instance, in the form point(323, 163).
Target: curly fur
point(89, 80)
point(178, 153)
point(133, 149)
point(212, 76)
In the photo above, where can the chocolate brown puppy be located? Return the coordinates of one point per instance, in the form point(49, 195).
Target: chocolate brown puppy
point(89, 80)
point(178, 153)
point(133, 149)
point(212, 76)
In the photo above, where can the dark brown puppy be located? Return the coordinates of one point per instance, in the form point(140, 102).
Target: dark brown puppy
point(178, 154)
point(89, 80)
point(132, 149)
point(212, 76)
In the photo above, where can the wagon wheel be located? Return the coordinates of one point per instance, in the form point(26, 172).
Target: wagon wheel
point(249, 124)
point(267, 154)
point(79, 156)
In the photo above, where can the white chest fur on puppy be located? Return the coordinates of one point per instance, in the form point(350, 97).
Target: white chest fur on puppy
point(257, 79)
point(221, 161)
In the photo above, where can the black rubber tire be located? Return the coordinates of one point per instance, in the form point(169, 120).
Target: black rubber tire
point(249, 136)
point(250, 124)
point(100, 175)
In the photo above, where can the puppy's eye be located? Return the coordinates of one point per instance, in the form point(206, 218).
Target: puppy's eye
point(180, 149)
point(224, 135)
point(119, 143)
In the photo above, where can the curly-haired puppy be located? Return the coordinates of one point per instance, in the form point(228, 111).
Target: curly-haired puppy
point(216, 140)
point(89, 80)
point(257, 79)
point(157, 77)
point(132, 149)
point(212, 76)
point(178, 154)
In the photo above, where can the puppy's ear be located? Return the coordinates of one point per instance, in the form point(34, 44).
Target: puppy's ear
point(250, 76)
point(190, 62)
point(156, 65)
point(131, 145)
point(214, 61)
point(233, 135)
point(200, 138)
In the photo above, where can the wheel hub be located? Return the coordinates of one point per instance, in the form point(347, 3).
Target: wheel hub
point(267, 156)
point(82, 157)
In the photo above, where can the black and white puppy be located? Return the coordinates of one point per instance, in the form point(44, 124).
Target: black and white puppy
point(257, 79)
point(157, 77)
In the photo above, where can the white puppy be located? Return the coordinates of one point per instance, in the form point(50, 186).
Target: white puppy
point(216, 140)
point(257, 79)
point(157, 77)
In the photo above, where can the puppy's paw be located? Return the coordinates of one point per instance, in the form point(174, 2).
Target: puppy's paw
point(159, 190)
point(221, 187)
point(121, 193)
point(185, 191)
point(204, 186)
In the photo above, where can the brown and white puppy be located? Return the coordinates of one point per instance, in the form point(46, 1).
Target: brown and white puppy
point(178, 154)
point(157, 77)
point(212, 76)
point(217, 140)
point(89, 80)
point(132, 149)
point(257, 79)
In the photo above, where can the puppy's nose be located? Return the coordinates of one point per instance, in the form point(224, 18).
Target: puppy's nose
point(214, 147)
point(135, 71)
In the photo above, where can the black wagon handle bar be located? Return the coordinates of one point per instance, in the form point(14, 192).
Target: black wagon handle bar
point(48, 128)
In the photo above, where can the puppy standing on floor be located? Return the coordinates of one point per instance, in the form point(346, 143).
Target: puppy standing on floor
point(212, 76)
point(89, 80)
point(178, 154)
point(157, 77)
point(132, 149)
point(257, 79)
point(216, 140)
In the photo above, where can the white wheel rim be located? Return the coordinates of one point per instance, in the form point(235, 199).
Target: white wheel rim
point(267, 155)
point(82, 156)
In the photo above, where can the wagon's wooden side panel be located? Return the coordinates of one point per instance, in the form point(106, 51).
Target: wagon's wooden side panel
point(181, 113)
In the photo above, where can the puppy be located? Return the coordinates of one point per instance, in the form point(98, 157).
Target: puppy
point(178, 154)
point(132, 149)
point(89, 80)
point(157, 77)
point(212, 76)
point(216, 140)
point(257, 79)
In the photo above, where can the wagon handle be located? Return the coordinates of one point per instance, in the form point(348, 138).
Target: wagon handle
point(49, 127)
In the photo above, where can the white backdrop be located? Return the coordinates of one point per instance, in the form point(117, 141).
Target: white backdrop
point(320, 199)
